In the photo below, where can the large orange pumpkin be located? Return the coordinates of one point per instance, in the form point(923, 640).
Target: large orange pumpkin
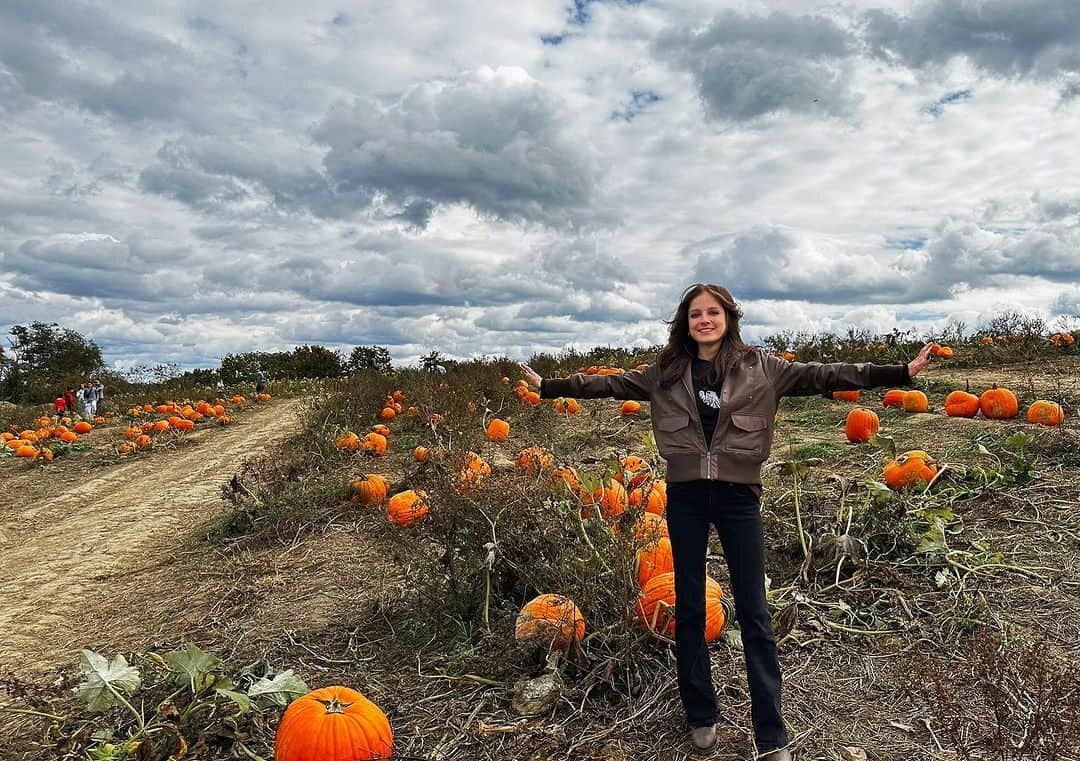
point(654, 559)
point(369, 489)
point(656, 502)
point(912, 468)
point(1043, 412)
point(893, 398)
point(374, 443)
point(565, 405)
point(656, 607)
point(612, 499)
point(650, 528)
point(407, 507)
point(630, 408)
point(916, 401)
point(82, 427)
point(998, 403)
point(552, 619)
point(636, 467)
point(348, 440)
point(961, 404)
point(333, 724)
point(498, 430)
point(861, 424)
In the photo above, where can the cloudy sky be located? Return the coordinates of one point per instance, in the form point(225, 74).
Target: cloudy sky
point(183, 180)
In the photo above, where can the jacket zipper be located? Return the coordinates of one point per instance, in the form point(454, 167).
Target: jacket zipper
point(708, 444)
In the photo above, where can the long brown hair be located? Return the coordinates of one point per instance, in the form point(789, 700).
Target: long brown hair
point(681, 348)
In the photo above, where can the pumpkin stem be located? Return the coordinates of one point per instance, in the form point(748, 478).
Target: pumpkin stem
point(334, 705)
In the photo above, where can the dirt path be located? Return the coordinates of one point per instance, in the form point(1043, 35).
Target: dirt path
point(66, 555)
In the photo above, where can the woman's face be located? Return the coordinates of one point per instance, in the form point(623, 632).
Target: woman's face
point(708, 321)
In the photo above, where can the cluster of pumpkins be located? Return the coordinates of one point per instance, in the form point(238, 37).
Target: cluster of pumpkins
point(41, 441)
point(174, 416)
point(916, 467)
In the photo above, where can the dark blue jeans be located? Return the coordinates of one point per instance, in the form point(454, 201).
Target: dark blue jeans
point(734, 510)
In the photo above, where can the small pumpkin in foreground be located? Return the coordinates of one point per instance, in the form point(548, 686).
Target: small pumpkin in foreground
point(1043, 412)
point(630, 408)
point(333, 724)
point(861, 424)
point(552, 619)
point(498, 430)
point(846, 396)
point(912, 468)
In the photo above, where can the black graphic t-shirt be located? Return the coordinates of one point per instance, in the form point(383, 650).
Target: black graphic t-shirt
point(708, 397)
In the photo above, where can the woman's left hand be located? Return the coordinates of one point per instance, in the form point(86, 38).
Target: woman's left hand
point(921, 361)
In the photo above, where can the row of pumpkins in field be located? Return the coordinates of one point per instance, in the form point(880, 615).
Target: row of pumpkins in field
point(50, 436)
point(995, 404)
point(55, 434)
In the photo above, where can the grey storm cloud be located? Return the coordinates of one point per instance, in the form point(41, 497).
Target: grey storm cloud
point(81, 54)
point(776, 263)
point(1039, 38)
point(494, 139)
point(91, 265)
point(748, 66)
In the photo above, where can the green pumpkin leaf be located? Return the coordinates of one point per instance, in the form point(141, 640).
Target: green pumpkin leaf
point(884, 442)
point(192, 664)
point(99, 675)
point(243, 702)
point(279, 691)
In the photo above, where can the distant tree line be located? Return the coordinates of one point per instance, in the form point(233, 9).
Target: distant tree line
point(40, 359)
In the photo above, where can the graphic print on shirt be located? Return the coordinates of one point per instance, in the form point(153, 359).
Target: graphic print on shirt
point(709, 398)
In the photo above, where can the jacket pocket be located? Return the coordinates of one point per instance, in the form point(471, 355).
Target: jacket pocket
point(674, 433)
point(748, 433)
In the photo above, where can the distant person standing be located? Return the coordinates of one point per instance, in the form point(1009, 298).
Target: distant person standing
point(99, 396)
point(69, 399)
point(60, 405)
point(260, 384)
point(220, 387)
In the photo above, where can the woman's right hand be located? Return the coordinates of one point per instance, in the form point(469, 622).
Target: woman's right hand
point(530, 375)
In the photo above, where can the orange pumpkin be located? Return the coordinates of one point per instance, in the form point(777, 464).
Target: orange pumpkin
point(27, 450)
point(374, 444)
point(961, 404)
point(408, 507)
point(498, 430)
point(912, 468)
point(83, 427)
point(370, 489)
point(348, 440)
point(475, 471)
point(420, 454)
point(566, 406)
point(656, 607)
point(552, 619)
point(533, 460)
point(893, 398)
point(565, 477)
point(531, 398)
point(635, 466)
point(333, 724)
point(656, 502)
point(612, 500)
point(381, 429)
point(144, 442)
point(654, 559)
point(649, 528)
point(916, 401)
point(998, 403)
point(846, 396)
point(1043, 412)
point(861, 424)
point(630, 408)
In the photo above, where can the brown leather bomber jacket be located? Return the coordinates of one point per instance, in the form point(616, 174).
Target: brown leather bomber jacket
point(749, 397)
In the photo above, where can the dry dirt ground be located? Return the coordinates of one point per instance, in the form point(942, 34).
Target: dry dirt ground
point(85, 547)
